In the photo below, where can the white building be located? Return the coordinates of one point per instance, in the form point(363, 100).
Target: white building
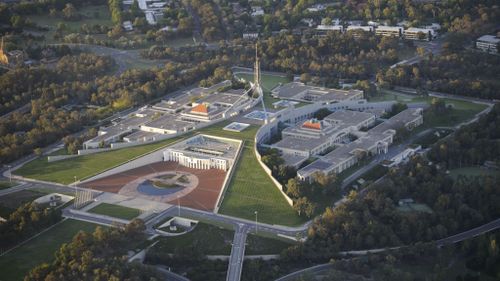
point(488, 43)
point(257, 11)
point(391, 31)
point(414, 33)
point(204, 152)
point(325, 28)
point(372, 142)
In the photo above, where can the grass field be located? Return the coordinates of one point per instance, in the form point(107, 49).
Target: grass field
point(10, 202)
point(257, 245)
point(252, 190)
point(115, 211)
point(208, 239)
point(268, 83)
point(16, 264)
point(7, 184)
point(84, 166)
point(471, 172)
point(98, 14)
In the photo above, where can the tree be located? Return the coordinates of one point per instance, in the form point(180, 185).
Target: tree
point(70, 13)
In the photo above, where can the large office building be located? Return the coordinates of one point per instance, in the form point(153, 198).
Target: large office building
point(204, 152)
point(314, 137)
point(372, 142)
point(303, 93)
point(341, 139)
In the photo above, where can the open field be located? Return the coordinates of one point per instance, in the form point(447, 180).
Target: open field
point(84, 166)
point(16, 264)
point(252, 190)
point(91, 15)
point(7, 184)
point(205, 238)
point(10, 202)
point(472, 172)
point(268, 83)
point(115, 211)
point(258, 245)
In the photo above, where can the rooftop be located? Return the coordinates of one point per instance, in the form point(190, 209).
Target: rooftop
point(489, 39)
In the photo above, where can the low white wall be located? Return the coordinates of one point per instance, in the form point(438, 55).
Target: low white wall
point(92, 151)
point(60, 157)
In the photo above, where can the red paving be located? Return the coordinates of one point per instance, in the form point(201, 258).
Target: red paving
point(203, 197)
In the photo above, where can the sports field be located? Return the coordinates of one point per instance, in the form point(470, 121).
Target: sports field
point(85, 166)
point(16, 264)
point(115, 211)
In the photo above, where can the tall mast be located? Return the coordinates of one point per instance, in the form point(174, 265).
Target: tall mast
point(257, 66)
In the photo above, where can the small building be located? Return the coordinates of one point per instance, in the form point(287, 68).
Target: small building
point(257, 11)
point(326, 28)
point(488, 44)
point(127, 25)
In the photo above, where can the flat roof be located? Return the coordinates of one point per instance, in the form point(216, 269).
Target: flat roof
point(489, 39)
point(169, 122)
point(202, 145)
point(223, 98)
point(300, 144)
point(349, 116)
point(293, 90)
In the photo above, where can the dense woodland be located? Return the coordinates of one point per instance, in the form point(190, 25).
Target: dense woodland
point(28, 220)
point(467, 73)
point(101, 255)
point(74, 83)
point(471, 145)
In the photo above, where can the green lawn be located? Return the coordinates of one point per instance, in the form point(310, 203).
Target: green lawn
point(471, 172)
point(258, 245)
point(16, 264)
point(84, 166)
point(208, 239)
point(115, 211)
point(7, 184)
point(268, 83)
point(217, 130)
point(252, 190)
point(10, 202)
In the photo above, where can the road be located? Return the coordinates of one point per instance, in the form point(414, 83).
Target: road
point(237, 253)
point(434, 47)
point(318, 269)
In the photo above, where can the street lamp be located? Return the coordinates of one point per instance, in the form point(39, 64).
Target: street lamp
point(76, 191)
point(256, 226)
point(10, 173)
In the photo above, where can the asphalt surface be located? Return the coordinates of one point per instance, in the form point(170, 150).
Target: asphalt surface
point(237, 253)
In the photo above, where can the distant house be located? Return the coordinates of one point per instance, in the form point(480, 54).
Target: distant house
point(257, 11)
point(413, 33)
point(127, 25)
point(488, 44)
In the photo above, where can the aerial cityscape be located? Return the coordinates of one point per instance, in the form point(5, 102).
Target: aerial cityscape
point(250, 140)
